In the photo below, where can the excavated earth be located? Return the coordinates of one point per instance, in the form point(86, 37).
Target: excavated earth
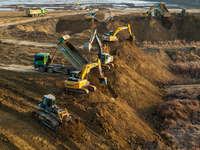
point(122, 115)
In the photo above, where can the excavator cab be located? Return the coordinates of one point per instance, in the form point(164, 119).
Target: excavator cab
point(111, 32)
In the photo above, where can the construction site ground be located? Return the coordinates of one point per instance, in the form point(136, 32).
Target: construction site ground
point(134, 111)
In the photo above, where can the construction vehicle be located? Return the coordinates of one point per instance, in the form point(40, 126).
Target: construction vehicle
point(77, 81)
point(106, 58)
point(79, 6)
point(183, 13)
point(111, 36)
point(35, 12)
point(93, 15)
point(160, 11)
point(45, 63)
point(49, 114)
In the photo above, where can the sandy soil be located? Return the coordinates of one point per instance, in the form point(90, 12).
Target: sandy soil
point(122, 115)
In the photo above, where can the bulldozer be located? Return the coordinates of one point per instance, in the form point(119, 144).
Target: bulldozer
point(106, 58)
point(77, 82)
point(49, 114)
point(111, 36)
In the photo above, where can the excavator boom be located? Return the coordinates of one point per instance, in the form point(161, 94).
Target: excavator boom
point(106, 58)
point(113, 37)
point(77, 81)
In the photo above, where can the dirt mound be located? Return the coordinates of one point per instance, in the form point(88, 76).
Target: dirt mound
point(147, 29)
point(112, 115)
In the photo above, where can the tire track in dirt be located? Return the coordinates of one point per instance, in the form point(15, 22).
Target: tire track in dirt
point(28, 43)
point(41, 18)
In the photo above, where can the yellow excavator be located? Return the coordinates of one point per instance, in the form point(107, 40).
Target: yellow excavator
point(111, 36)
point(160, 11)
point(93, 15)
point(79, 6)
point(106, 58)
point(77, 82)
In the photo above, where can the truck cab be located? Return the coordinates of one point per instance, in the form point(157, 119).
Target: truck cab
point(41, 61)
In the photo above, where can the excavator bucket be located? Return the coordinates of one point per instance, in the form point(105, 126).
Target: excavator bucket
point(131, 38)
point(103, 80)
point(87, 47)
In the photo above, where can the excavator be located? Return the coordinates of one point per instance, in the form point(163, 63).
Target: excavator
point(111, 36)
point(106, 58)
point(79, 6)
point(77, 81)
point(92, 15)
point(160, 11)
point(49, 114)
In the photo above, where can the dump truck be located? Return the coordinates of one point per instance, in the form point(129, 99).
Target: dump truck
point(49, 114)
point(43, 62)
point(35, 12)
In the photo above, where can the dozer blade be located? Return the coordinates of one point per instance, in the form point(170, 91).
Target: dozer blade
point(103, 80)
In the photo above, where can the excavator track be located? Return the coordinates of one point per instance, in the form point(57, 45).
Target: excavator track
point(91, 87)
point(82, 90)
point(46, 119)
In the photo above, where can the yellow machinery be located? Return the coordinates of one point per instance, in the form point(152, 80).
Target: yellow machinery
point(106, 58)
point(92, 15)
point(49, 114)
point(111, 36)
point(78, 82)
point(79, 6)
point(160, 10)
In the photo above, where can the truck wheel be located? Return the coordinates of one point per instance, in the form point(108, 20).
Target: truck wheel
point(65, 71)
point(50, 70)
point(41, 69)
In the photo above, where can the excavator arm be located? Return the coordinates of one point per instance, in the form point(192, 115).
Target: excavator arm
point(87, 69)
point(127, 26)
point(97, 13)
point(132, 38)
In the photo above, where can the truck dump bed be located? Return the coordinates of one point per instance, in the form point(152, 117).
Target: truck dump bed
point(73, 55)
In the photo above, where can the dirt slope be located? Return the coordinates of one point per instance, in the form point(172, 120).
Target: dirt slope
point(121, 115)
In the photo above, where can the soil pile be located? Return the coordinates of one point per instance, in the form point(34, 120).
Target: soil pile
point(147, 29)
point(118, 116)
